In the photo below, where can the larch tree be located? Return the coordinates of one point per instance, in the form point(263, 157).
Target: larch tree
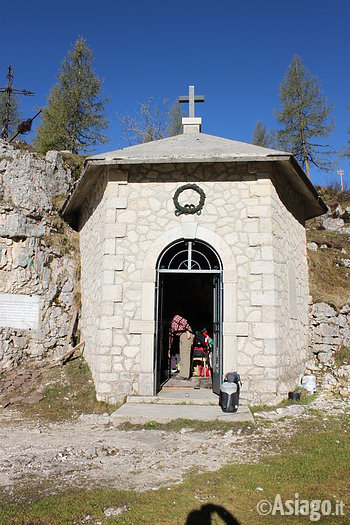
point(261, 135)
point(174, 120)
point(153, 121)
point(305, 118)
point(74, 118)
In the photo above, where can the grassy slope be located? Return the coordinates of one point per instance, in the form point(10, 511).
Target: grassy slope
point(68, 392)
point(329, 280)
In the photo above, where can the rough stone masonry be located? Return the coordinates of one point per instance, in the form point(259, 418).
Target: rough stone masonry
point(39, 254)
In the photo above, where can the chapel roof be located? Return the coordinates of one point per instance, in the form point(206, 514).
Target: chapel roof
point(195, 148)
point(188, 147)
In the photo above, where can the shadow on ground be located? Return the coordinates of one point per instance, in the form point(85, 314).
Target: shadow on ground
point(204, 515)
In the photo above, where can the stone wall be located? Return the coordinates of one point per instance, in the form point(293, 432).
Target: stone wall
point(133, 220)
point(291, 285)
point(39, 254)
point(329, 331)
point(329, 337)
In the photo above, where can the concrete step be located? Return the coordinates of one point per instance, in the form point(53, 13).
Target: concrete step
point(141, 413)
point(178, 397)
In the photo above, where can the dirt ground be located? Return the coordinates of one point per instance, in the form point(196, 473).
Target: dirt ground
point(92, 451)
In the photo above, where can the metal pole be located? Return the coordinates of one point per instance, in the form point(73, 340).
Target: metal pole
point(341, 173)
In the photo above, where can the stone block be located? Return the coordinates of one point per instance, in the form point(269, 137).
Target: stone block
point(141, 327)
point(259, 239)
point(112, 292)
point(131, 351)
point(111, 322)
point(112, 189)
point(104, 337)
point(119, 339)
point(116, 351)
point(108, 277)
point(260, 299)
point(109, 376)
point(118, 203)
point(258, 211)
point(260, 190)
point(268, 282)
point(149, 276)
point(103, 388)
point(238, 329)
point(127, 217)
point(115, 230)
point(146, 384)
point(267, 253)
point(270, 346)
point(264, 330)
point(264, 386)
point(107, 308)
point(271, 373)
point(264, 267)
point(118, 367)
point(105, 363)
point(113, 262)
point(103, 350)
point(128, 364)
point(109, 246)
point(110, 216)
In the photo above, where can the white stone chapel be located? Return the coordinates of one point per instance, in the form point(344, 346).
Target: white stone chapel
point(204, 224)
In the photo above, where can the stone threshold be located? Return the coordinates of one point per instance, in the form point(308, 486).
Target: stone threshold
point(141, 413)
point(175, 396)
point(174, 403)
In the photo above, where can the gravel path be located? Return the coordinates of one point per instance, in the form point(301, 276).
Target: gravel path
point(91, 451)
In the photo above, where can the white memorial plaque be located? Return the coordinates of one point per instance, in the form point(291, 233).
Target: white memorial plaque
point(19, 311)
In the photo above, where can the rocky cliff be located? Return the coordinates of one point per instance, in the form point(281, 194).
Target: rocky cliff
point(39, 253)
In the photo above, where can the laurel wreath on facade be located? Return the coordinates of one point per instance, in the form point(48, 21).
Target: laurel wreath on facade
point(189, 209)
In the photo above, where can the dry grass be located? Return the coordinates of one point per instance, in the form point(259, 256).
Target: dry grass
point(75, 163)
point(68, 392)
point(329, 280)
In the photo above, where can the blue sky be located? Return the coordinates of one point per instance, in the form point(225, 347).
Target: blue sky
point(235, 53)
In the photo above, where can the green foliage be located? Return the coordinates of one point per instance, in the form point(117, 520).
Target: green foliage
point(153, 121)
point(174, 123)
point(15, 114)
point(304, 116)
point(74, 118)
point(261, 135)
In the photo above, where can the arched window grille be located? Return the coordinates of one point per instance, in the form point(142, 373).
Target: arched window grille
point(189, 256)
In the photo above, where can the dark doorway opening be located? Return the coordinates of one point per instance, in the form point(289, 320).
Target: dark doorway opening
point(194, 293)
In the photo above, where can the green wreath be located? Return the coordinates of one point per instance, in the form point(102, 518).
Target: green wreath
point(189, 209)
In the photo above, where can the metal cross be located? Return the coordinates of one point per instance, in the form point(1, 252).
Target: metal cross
point(9, 90)
point(191, 99)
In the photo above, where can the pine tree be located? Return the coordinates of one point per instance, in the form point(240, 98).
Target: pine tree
point(174, 124)
point(261, 136)
point(304, 116)
point(74, 118)
point(15, 114)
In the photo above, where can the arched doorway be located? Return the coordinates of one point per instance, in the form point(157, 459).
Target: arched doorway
point(189, 280)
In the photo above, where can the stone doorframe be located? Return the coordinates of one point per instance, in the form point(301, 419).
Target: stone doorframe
point(146, 325)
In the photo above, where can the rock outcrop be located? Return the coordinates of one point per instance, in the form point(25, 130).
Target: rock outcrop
point(39, 254)
point(329, 338)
